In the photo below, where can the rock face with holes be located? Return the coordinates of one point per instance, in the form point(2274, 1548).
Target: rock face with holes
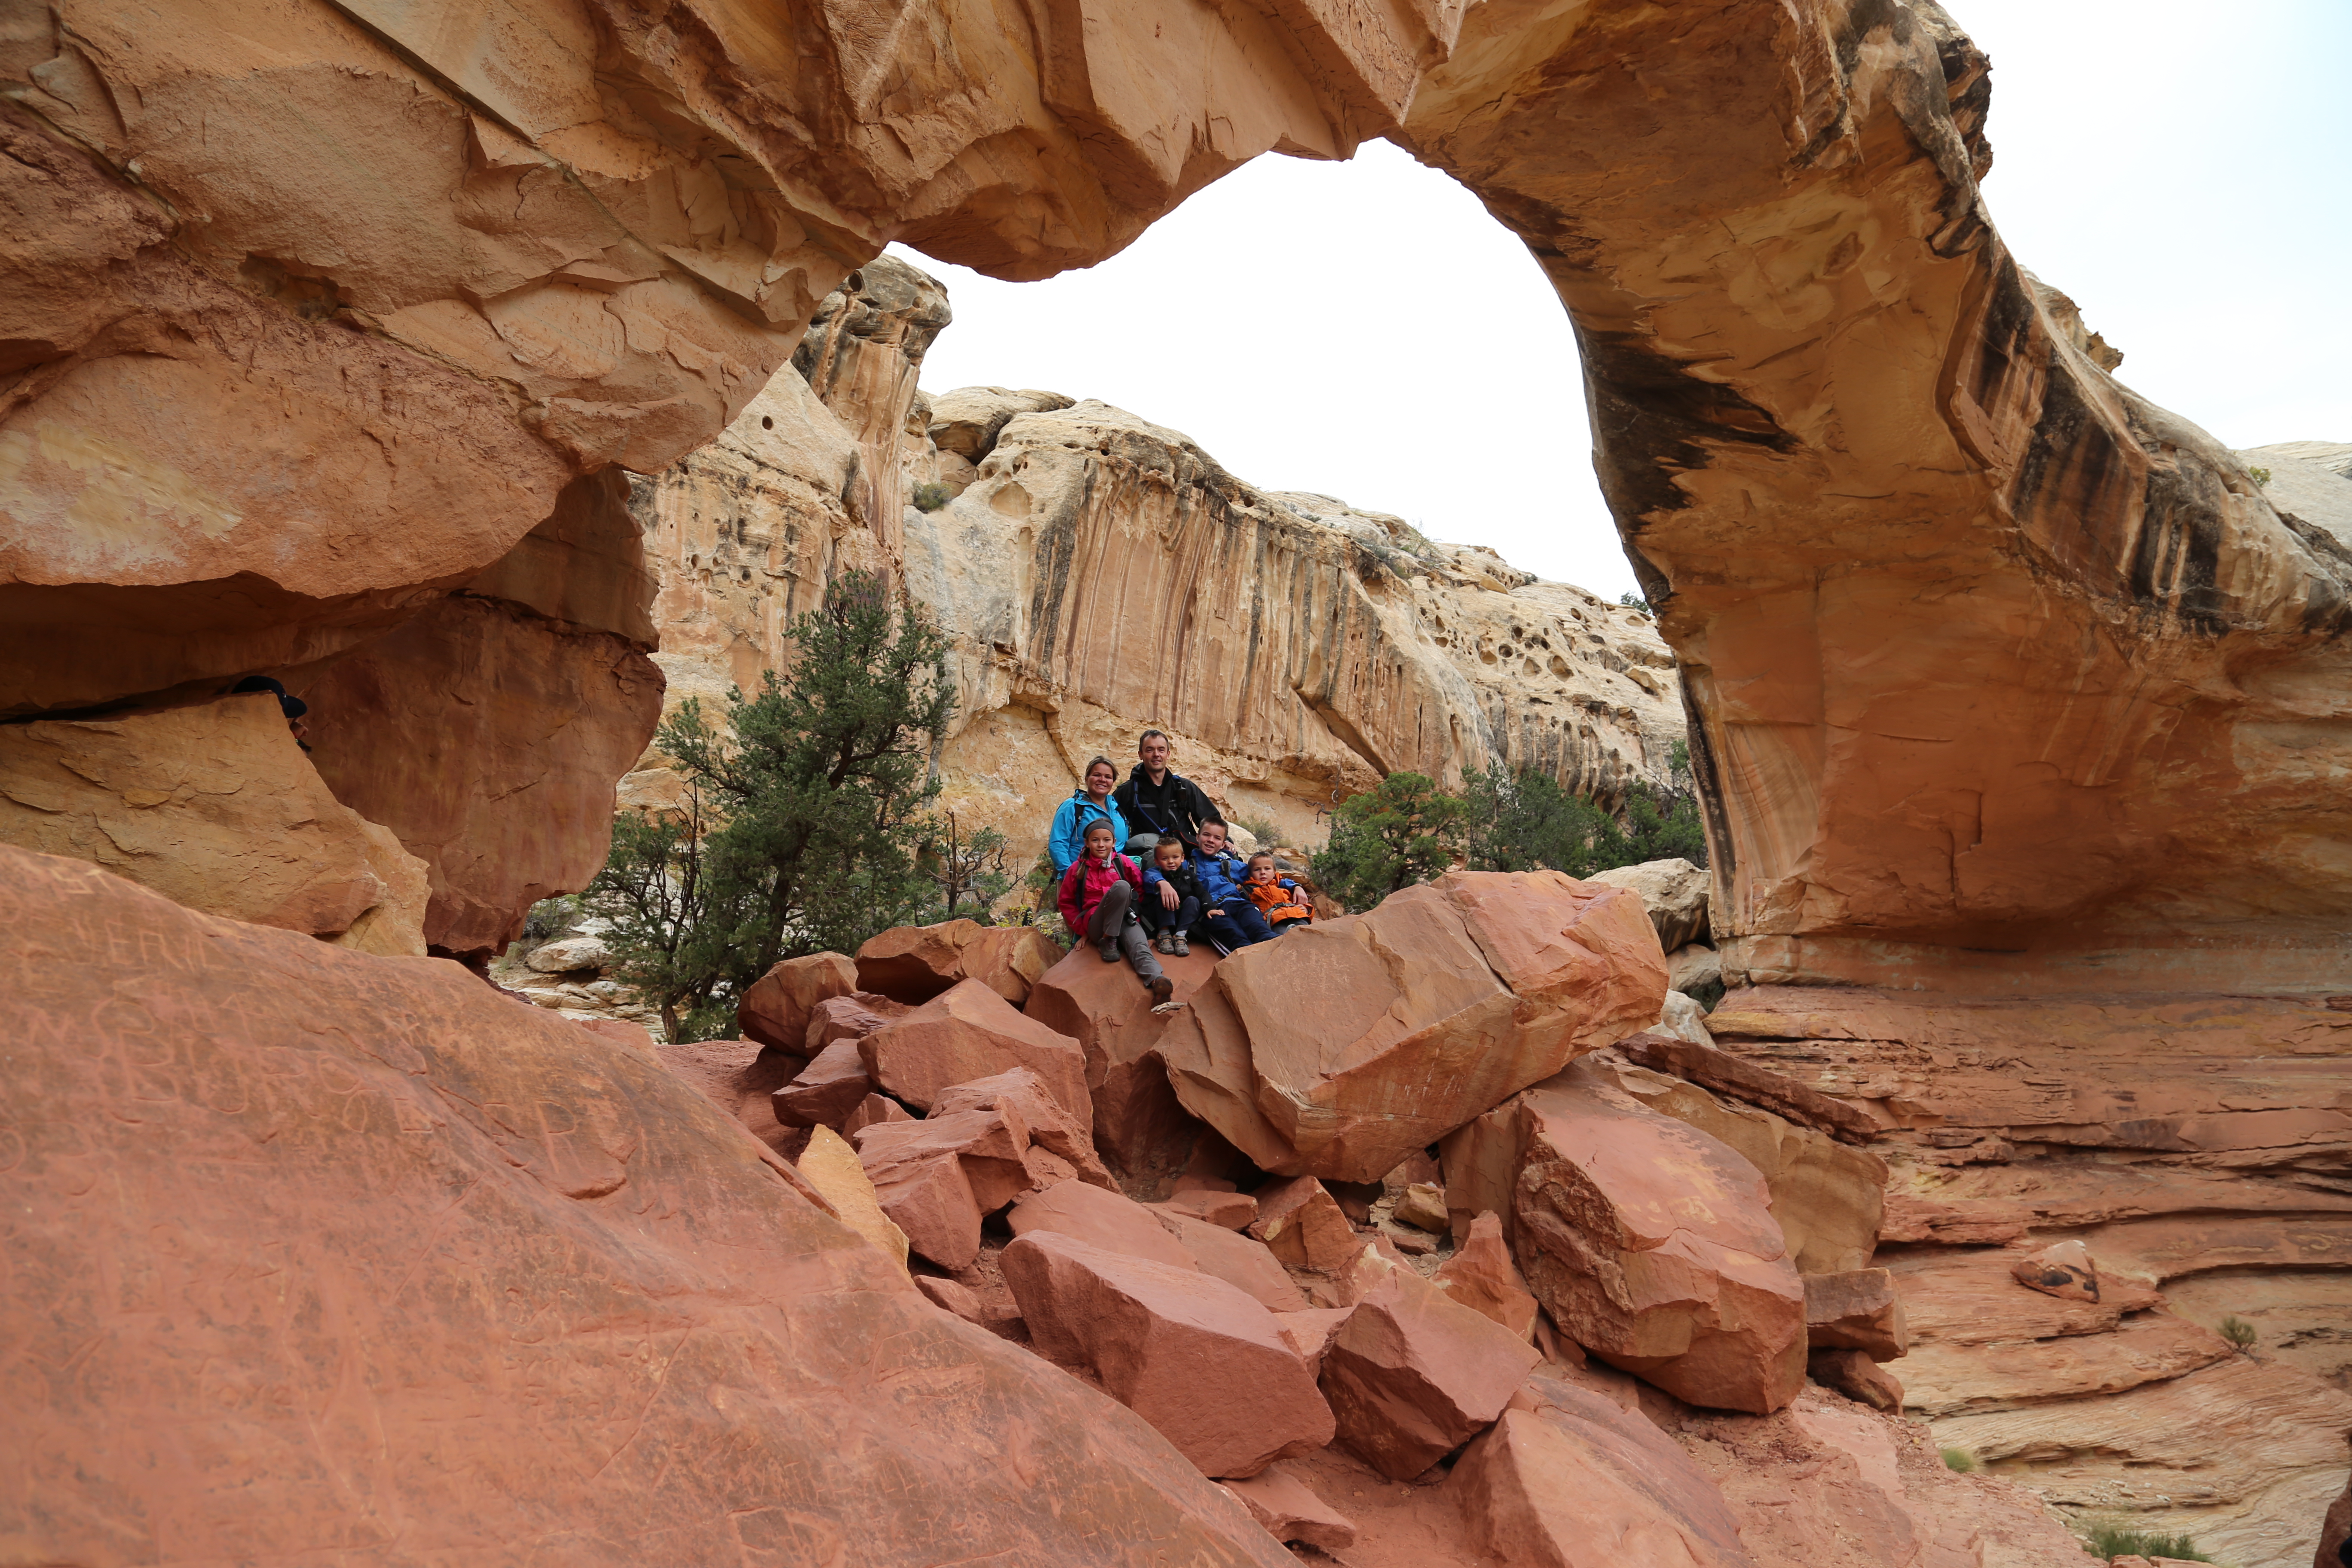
point(457, 1174)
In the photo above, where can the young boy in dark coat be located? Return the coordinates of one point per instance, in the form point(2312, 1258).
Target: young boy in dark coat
point(1171, 898)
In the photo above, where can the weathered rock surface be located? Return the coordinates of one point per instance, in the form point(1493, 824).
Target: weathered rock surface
point(1654, 1246)
point(967, 1032)
point(1301, 1224)
point(832, 1167)
point(1108, 1220)
point(1029, 1107)
point(1576, 1480)
point(215, 807)
point(1246, 1265)
point(1195, 1357)
point(2188, 1144)
point(1412, 1373)
point(2063, 1269)
point(742, 1077)
point(824, 1093)
point(1371, 1036)
point(1829, 1197)
point(1138, 1125)
point(1856, 1375)
point(1289, 1509)
point(1857, 1310)
point(1673, 891)
point(1482, 1276)
point(914, 963)
point(491, 1409)
point(775, 1007)
point(939, 1177)
point(489, 738)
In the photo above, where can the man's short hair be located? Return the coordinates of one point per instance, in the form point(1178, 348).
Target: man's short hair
point(1148, 735)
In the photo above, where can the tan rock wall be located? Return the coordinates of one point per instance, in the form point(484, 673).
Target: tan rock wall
point(215, 807)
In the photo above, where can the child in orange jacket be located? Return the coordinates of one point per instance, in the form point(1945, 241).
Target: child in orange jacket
point(1277, 897)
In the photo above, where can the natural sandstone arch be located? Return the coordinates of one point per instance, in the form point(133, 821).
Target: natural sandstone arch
point(1992, 666)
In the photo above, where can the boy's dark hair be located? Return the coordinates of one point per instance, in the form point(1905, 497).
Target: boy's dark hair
point(1166, 841)
point(1261, 855)
point(1213, 816)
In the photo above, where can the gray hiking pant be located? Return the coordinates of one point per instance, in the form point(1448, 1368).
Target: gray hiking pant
point(1110, 922)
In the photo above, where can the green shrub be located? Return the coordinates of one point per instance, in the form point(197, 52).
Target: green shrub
point(930, 495)
point(1266, 833)
point(1406, 831)
point(1959, 1460)
point(2110, 1538)
point(2239, 1333)
point(1636, 602)
point(2262, 476)
point(807, 822)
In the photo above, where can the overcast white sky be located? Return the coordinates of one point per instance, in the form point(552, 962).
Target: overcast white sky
point(1364, 329)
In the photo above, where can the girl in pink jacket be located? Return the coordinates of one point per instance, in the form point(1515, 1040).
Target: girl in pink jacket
point(1098, 893)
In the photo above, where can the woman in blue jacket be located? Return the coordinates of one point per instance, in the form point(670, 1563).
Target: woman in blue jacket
point(1090, 802)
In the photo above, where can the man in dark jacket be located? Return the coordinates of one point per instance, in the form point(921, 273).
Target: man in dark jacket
point(1154, 800)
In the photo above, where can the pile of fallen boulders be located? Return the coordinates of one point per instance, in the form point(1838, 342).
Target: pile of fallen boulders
point(1378, 1196)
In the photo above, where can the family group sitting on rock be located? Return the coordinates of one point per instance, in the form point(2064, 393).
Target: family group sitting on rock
point(1189, 887)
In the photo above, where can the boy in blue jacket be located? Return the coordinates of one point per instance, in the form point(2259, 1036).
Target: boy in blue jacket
point(1227, 915)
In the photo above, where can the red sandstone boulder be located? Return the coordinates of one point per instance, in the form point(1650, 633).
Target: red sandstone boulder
point(1235, 1259)
point(1411, 1374)
point(1370, 1037)
point(775, 1007)
point(968, 1032)
point(454, 1178)
point(2063, 1269)
point(1654, 1247)
point(1856, 1310)
point(1310, 1332)
point(1302, 1225)
point(1138, 1125)
point(1291, 1511)
point(741, 1077)
point(1193, 1356)
point(1482, 1276)
point(874, 1108)
point(937, 1178)
point(828, 1091)
point(914, 963)
point(1856, 1375)
point(1234, 1211)
point(850, 1017)
point(1110, 1221)
point(1568, 1478)
point(1058, 1146)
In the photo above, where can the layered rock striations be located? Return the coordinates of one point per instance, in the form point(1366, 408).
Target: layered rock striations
point(2198, 1148)
point(1099, 573)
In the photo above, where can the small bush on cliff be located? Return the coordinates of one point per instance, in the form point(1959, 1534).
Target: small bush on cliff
point(2241, 1333)
point(931, 495)
point(1959, 1460)
point(1405, 831)
point(2111, 1539)
point(817, 791)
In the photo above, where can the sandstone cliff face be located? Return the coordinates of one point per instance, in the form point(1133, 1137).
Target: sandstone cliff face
point(1100, 575)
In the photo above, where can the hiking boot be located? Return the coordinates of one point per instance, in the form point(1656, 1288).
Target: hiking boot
point(1177, 947)
point(1161, 988)
point(1164, 942)
point(1109, 948)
